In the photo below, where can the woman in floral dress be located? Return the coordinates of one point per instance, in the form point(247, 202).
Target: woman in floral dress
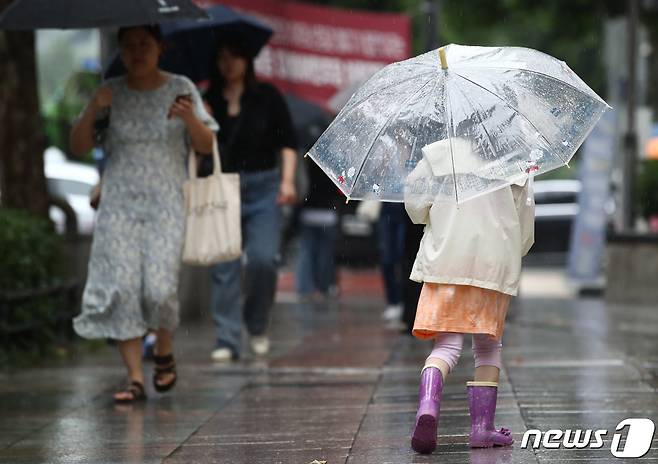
point(135, 259)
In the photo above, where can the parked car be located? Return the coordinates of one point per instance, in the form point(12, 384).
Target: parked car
point(73, 182)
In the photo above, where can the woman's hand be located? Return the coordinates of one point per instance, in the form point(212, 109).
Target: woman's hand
point(287, 189)
point(202, 137)
point(81, 138)
point(287, 193)
point(184, 109)
point(102, 98)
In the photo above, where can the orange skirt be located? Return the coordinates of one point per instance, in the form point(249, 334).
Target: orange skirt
point(460, 308)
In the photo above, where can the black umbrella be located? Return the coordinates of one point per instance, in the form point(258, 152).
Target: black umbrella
point(190, 45)
point(85, 14)
point(309, 120)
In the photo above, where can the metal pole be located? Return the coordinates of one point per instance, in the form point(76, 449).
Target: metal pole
point(630, 138)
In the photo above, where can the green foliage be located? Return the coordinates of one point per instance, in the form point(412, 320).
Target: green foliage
point(30, 250)
point(565, 172)
point(570, 30)
point(39, 319)
point(66, 105)
point(647, 188)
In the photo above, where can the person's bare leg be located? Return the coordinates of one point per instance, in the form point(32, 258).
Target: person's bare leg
point(487, 374)
point(131, 353)
point(164, 342)
point(163, 347)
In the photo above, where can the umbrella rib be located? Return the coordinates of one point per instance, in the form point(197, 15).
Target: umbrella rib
point(429, 100)
point(388, 120)
point(452, 154)
point(386, 88)
point(481, 121)
point(519, 112)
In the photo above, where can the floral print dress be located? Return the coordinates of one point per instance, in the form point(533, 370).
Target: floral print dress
point(135, 258)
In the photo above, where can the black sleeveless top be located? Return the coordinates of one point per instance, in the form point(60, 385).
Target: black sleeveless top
point(264, 127)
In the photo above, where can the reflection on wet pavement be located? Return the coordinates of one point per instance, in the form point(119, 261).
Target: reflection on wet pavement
point(340, 387)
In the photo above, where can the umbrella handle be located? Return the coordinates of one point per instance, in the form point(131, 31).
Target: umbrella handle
point(442, 57)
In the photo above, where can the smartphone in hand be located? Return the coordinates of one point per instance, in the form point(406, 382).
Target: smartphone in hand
point(178, 99)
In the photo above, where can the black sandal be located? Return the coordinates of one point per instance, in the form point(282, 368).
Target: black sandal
point(136, 389)
point(164, 365)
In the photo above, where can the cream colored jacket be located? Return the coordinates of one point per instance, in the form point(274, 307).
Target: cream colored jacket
point(479, 242)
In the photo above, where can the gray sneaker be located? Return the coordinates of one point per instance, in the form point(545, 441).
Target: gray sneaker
point(392, 313)
point(223, 353)
point(260, 344)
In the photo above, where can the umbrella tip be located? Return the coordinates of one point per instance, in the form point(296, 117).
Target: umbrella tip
point(442, 57)
point(306, 155)
point(347, 200)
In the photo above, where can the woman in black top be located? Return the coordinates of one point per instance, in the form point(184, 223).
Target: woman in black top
point(257, 140)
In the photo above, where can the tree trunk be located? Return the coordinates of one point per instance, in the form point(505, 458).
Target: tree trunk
point(22, 180)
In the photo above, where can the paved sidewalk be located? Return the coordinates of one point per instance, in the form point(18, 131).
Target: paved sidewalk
point(342, 388)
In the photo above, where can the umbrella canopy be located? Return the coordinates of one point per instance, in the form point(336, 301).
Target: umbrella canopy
point(192, 44)
point(84, 14)
point(501, 113)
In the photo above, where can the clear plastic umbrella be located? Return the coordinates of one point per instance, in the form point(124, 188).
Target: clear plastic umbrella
point(481, 117)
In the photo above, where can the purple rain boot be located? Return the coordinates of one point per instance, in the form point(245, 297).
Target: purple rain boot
point(482, 407)
point(423, 437)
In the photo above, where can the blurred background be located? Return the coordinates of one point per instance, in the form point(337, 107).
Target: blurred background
point(597, 220)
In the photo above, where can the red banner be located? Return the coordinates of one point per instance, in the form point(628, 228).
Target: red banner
point(320, 53)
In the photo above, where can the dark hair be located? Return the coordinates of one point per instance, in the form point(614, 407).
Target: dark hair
point(152, 29)
point(238, 47)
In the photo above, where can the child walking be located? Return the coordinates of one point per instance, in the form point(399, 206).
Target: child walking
point(469, 262)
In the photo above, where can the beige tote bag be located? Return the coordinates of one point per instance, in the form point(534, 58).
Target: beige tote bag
point(213, 228)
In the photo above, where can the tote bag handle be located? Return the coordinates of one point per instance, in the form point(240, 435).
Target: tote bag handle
point(217, 165)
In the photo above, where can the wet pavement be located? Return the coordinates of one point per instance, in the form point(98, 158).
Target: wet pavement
point(340, 387)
